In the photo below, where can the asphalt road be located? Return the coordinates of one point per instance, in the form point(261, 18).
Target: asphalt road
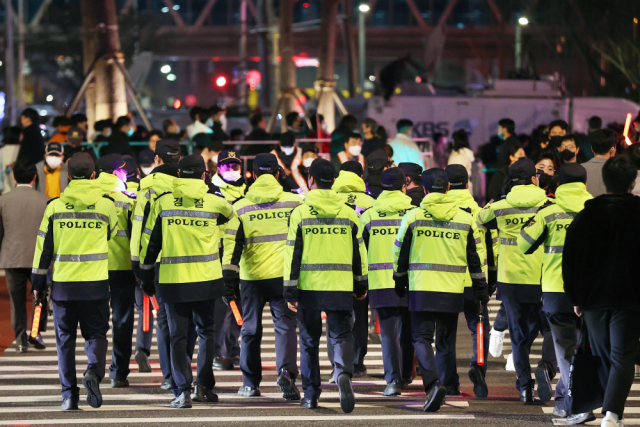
point(30, 395)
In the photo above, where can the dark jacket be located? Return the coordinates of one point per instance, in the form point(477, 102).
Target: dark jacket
point(69, 151)
point(416, 194)
point(32, 145)
point(257, 134)
point(218, 133)
point(371, 145)
point(600, 264)
point(494, 190)
point(374, 186)
point(119, 144)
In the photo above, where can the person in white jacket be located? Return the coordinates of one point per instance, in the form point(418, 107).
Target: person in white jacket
point(404, 149)
point(461, 154)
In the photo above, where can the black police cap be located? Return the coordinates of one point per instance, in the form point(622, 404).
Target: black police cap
point(522, 170)
point(435, 180)
point(192, 167)
point(572, 172)
point(378, 159)
point(146, 157)
point(110, 162)
point(168, 147)
point(458, 176)
point(266, 162)
point(130, 165)
point(228, 156)
point(81, 166)
point(411, 169)
point(322, 171)
point(393, 179)
point(352, 166)
point(310, 148)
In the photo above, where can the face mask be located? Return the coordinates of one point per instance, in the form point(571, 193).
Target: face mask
point(53, 161)
point(501, 135)
point(307, 162)
point(567, 155)
point(555, 140)
point(355, 150)
point(107, 132)
point(544, 180)
point(146, 171)
point(130, 132)
point(223, 122)
point(177, 129)
point(288, 150)
point(209, 123)
point(231, 176)
point(214, 159)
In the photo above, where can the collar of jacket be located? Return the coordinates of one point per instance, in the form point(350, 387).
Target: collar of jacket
point(392, 201)
point(348, 182)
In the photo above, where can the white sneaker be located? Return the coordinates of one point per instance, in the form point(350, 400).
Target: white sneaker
point(510, 366)
point(496, 341)
point(609, 421)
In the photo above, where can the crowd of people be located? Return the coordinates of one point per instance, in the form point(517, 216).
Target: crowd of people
point(326, 230)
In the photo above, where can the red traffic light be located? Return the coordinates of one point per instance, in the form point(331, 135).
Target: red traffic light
point(221, 81)
point(177, 104)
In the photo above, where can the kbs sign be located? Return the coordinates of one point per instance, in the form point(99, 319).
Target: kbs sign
point(428, 129)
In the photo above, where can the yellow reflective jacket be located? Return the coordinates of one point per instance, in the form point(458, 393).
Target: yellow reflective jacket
point(436, 247)
point(351, 189)
point(254, 240)
point(380, 226)
point(74, 234)
point(325, 258)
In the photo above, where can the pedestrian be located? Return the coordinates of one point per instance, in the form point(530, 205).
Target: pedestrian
point(295, 125)
point(603, 145)
point(256, 239)
point(75, 136)
point(404, 149)
point(74, 236)
point(380, 225)
point(217, 123)
point(351, 187)
point(32, 144)
point(569, 149)
point(53, 175)
point(513, 152)
point(80, 120)
point(352, 149)
point(287, 151)
point(461, 154)
point(21, 212)
point(299, 177)
point(325, 267)
point(340, 135)
point(377, 162)
point(199, 116)
point(62, 124)
point(600, 281)
point(120, 138)
point(414, 188)
point(434, 252)
point(8, 155)
point(370, 142)
point(183, 224)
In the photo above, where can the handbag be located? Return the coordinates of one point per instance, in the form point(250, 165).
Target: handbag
point(585, 392)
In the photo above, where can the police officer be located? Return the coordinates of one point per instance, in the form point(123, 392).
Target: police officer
point(325, 265)
point(549, 228)
point(74, 235)
point(122, 282)
point(459, 192)
point(379, 230)
point(160, 181)
point(256, 239)
point(184, 225)
point(413, 172)
point(434, 253)
point(231, 184)
point(351, 187)
point(519, 275)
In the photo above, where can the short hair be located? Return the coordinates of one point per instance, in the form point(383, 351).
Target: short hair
point(255, 119)
point(195, 111)
point(122, 120)
point(155, 132)
point(291, 117)
point(619, 174)
point(508, 124)
point(24, 172)
point(323, 185)
point(287, 139)
point(31, 114)
point(349, 121)
point(166, 124)
point(78, 118)
point(595, 122)
point(571, 137)
point(101, 125)
point(602, 140)
point(634, 154)
point(403, 124)
point(235, 132)
point(61, 121)
point(355, 135)
point(559, 123)
point(460, 139)
point(548, 155)
point(370, 123)
point(168, 159)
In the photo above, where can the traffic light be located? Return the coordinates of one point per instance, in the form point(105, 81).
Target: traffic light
point(221, 81)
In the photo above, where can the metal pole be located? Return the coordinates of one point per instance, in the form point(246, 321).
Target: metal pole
point(9, 105)
point(361, 50)
point(518, 47)
point(20, 97)
point(242, 66)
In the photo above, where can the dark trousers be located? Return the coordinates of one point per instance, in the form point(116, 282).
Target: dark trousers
point(565, 331)
point(339, 325)
point(360, 335)
point(397, 344)
point(613, 335)
point(93, 317)
point(163, 337)
point(501, 323)
point(227, 331)
point(179, 315)
point(525, 321)
point(286, 341)
point(17, 279)
point(143, 339)
point(471, 316)
point(442, 366)
point(122, 307)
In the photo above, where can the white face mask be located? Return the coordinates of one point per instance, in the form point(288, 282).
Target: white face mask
point(147, 171)
point(214, 159)
point(223, 122)
point(53, 161)
point(231, 176)
point(307, 162)
point(355, 150)
point(288, 150)
point(177, 129)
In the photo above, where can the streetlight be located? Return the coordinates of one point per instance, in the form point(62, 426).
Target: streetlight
point(522, 21)
point(363, 8)
point(165, 69)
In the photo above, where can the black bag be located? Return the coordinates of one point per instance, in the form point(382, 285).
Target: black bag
point(585, 392)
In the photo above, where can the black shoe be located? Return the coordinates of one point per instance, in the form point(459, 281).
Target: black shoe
point(559, 413)
point(182, 402)
point(453, 391)
point(119, 383)
point(246, 391)
point(234, 360)
point(22, 348)
point(545, 392)
point(360, 374)
point(479, 385)
point(435, 397)
point(91, 382)
point(406, 382)
point(393, 389)
point(580, 418)
point(167, 385)
point(288, 385)
point(347, 399)
point(69, 404)
point(527, 395)
point(37, 342)
point(222, 364)
point(309, 403)
point(143, 361)
point(204, 395)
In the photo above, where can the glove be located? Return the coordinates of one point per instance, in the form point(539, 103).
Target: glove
point(492, 289)
point(492, 278)
point(482, 297)
point(231, 291)
point(148, 288)
point(359, 289)
point(402, 284)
